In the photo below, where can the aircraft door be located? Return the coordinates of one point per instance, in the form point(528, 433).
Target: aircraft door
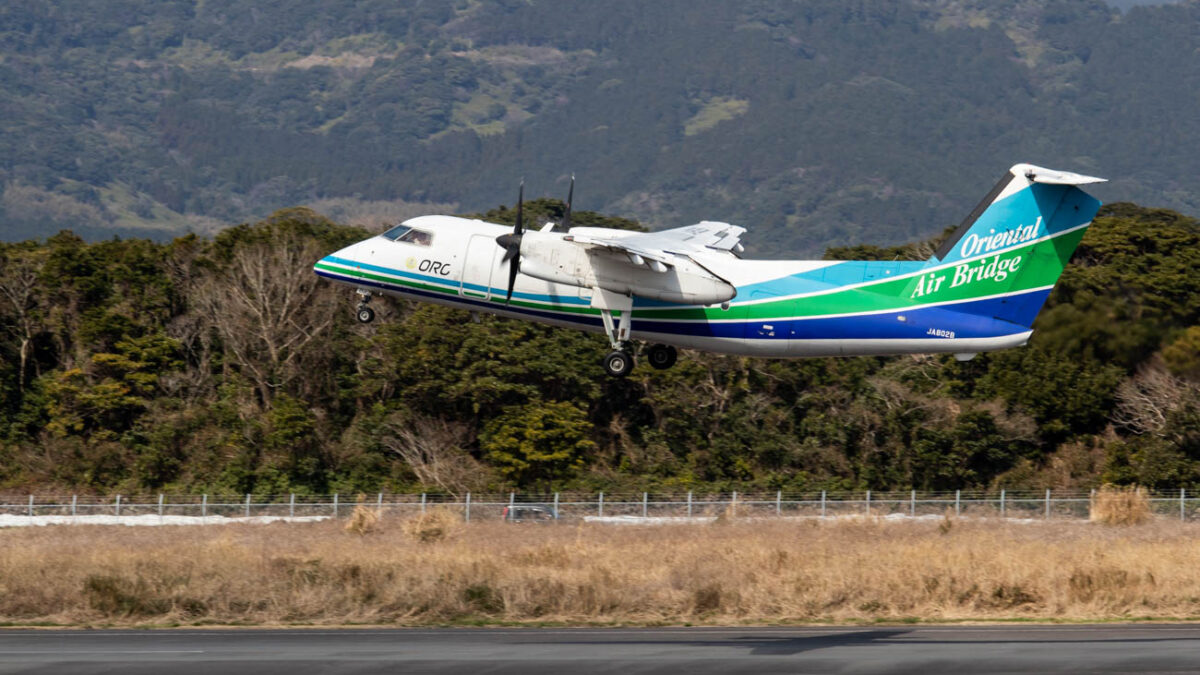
point(482, 257)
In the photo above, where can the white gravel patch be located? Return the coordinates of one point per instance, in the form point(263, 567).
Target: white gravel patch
point(148, 520)
point(890, 517)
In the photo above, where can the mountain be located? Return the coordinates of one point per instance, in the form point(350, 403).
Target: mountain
point(814, 123)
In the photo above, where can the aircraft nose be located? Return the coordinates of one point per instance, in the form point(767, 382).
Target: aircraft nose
point(329, 262)
point(349, 256)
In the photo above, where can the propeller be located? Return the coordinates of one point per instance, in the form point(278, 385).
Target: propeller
point(512, 245)
point(565, 224)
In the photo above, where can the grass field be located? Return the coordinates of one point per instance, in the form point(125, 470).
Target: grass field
point(732, 572)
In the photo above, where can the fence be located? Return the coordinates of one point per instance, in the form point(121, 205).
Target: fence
point(1003, 504)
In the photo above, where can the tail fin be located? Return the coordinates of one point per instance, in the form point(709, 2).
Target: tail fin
point(1012, 248)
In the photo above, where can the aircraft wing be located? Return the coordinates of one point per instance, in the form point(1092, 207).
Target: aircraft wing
point(661, 247)
point(703, 236)
point(633, 248)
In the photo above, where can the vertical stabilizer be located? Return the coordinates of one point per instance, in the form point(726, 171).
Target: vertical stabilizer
point(1013, 246)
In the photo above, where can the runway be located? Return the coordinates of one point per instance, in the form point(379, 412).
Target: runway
point(935, 649)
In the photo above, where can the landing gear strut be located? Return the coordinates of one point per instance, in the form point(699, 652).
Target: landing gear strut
point(364, 313)
point(661, 356)
point(619, 361)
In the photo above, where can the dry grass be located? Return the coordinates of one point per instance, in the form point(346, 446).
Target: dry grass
point(744, 572)
point(1114, 505)
point(364, 520)
point(434, 525)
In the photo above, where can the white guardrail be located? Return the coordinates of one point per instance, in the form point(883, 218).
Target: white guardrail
point(1022, 504)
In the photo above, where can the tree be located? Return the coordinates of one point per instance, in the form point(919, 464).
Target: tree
point(19, 290)
point(267, 306)
point(536, 444)
point(435, 450)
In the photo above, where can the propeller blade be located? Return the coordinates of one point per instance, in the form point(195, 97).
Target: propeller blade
point(565, 223)
point(512, 278)
point(520, 199)
point(512, 244)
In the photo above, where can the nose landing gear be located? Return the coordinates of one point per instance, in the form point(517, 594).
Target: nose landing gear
point(363, 312)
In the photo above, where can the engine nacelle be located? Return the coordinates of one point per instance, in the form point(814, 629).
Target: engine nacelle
point(549, 257)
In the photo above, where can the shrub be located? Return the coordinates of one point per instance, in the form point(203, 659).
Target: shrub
point(1113, 505)
point(433, 525)
point(363, 521)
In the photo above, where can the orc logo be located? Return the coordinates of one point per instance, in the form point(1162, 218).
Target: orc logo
point(431, 266)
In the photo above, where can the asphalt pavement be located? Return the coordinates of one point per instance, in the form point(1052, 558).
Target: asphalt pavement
point(1141, 648)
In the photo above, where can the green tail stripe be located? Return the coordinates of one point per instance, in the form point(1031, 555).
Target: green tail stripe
point(1039, 265)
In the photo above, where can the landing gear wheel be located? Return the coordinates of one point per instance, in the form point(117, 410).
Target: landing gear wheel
point(662, 356)
point(365, 314)
point(618, 363)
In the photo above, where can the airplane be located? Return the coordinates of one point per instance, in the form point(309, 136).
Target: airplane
point(689, 287)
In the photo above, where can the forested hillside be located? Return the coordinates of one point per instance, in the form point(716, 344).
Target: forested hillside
point(226, 365)
point(815, 122)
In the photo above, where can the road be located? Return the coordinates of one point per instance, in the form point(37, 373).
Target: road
point(934, 649)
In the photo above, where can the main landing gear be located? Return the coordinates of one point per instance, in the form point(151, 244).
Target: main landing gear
point(363, 312)
point(619, 362)
point(661, 356)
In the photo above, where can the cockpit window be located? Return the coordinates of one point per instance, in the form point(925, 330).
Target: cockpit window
point(408, 235)
point(418, 237)
point(395, 232)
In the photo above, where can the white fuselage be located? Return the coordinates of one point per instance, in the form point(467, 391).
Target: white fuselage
point(462, 266)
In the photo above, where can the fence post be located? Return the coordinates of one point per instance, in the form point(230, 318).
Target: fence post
point(733, 505)
point(292, 506)
point(204, 506)
point(1047, 517)
point(822, 503)
point(779, 502)
point(118, 505)
point(645, 502)
point(689, 503)
point(379, 504)
point(335, 506)
point(957, 503)
point(868, 502)
point(600, 506)
point(160, 505)
point(556, 506)
point(512, 497)
point(30, 506)
point(1182, 492)
point(247, 506)
point(1001, 502)
point(467, 511)
point(422, 502)
point(73, 500)
point(912, 504)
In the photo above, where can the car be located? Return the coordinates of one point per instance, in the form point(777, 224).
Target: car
point(528, 513)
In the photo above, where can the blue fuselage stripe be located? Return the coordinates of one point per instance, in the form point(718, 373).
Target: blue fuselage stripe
point(967, 319)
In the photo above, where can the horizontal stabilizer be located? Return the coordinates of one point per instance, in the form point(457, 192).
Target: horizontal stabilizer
point(1038, 174)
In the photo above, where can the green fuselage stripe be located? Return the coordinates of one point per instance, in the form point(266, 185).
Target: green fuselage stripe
point(1037, 265)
